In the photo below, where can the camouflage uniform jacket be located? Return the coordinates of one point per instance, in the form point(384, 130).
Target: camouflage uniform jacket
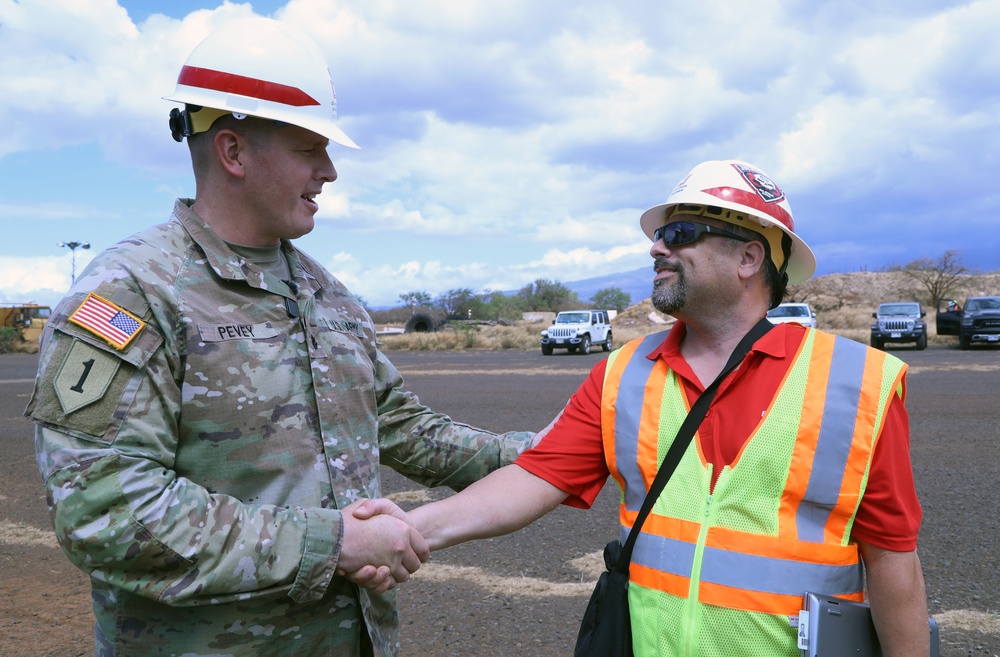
point(196, 472)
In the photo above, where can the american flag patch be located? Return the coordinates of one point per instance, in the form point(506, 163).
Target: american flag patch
point(106, 320)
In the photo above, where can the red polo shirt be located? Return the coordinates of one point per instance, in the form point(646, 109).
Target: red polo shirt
point(571, 456)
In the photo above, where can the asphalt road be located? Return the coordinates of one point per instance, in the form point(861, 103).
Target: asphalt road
point(523, 594)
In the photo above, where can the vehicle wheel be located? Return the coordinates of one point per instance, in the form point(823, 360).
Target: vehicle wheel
point(922, 341)
point(585, 345)
point(546, 350)
point(964, 342)
point(608, 345)
point(876, 343)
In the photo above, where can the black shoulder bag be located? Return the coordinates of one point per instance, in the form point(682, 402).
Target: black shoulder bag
point(606, 630)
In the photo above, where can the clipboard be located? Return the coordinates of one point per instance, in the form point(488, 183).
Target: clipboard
point(835, 627)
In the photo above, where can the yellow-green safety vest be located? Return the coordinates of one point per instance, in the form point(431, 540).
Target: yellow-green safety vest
point(721, 573)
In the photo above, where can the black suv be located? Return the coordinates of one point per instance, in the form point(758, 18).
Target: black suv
point(901, 321)
point(977, 321)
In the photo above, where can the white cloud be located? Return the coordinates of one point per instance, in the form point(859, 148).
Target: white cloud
point(44, 280)
point(382, 284)
point(38, 211)
point(539, 129)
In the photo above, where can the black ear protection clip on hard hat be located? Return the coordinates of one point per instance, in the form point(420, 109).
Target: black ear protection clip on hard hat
point(180, 122)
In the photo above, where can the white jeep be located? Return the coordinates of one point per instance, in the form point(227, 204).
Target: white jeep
point(577, 330)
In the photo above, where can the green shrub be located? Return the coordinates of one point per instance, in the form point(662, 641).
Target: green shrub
point(468, 333)
point(8, 338)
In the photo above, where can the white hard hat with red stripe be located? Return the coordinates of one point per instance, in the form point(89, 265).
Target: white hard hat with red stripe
point(257, 67)
point(741, 194)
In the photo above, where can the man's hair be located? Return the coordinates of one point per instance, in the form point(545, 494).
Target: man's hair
point(775, 280)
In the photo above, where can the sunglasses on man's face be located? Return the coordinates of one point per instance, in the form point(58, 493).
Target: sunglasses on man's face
point(680, 233)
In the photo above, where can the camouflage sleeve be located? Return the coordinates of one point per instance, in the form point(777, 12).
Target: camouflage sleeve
point(123, 514)
point(431, 448)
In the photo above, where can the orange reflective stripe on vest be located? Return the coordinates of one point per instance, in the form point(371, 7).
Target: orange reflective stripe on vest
point(822, 493)
point(622, 413)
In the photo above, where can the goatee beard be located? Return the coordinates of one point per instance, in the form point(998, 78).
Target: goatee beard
point(669, 295)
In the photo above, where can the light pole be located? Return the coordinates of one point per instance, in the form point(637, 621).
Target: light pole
point(73, 246)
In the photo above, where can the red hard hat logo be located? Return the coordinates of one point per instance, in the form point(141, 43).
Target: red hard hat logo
point(764, 186)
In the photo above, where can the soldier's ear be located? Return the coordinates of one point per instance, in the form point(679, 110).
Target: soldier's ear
point(229, 148)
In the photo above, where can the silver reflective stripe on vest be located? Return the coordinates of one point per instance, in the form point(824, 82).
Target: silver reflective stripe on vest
point(745, 571)
point(628, 412)
point(668, 555)
point(780, 576)
point(835, 438)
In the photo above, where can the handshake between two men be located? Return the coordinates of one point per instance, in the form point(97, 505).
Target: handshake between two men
point(383, 545)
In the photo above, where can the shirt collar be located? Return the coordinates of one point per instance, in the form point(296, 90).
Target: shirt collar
point(780, 341)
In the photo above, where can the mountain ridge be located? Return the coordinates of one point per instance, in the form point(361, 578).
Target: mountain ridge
point(637, 283)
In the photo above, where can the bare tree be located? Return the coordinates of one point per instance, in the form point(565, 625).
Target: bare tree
point(941, 277)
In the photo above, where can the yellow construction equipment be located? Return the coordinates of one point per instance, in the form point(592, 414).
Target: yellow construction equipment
point(27, 318)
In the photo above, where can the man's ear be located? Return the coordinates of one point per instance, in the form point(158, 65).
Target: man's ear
point(229, 147)
point(753, 258)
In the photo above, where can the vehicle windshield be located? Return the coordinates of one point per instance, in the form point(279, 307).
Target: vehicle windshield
point(788, 311)
point(572, 318)
point(989, 303)
point(891, 309)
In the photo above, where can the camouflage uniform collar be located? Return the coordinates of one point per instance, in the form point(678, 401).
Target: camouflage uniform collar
point(230, 265)
point(220, 257)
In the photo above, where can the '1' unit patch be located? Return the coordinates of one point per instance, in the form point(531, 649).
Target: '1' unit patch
point(107, 321)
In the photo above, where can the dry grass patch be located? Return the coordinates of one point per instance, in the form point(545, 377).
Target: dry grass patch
point(456, 336)
point(591, 565)
point(434, 572)
point(970, 621)
point(965, 367)
point(17, 533)
point(523, 336)
point(411, 497)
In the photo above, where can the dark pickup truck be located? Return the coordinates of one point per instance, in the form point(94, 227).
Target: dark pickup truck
point(977, 321)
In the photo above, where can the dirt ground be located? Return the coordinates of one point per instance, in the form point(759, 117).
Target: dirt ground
point(522, 595)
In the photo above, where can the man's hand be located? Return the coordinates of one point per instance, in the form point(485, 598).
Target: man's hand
point(380, 548)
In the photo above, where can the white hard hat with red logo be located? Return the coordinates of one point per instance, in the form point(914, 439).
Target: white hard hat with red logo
point(257, 67)
point(741, 194)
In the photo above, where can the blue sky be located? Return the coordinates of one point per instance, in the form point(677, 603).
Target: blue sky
point(508, 141)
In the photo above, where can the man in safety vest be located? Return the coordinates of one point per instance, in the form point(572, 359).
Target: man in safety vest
point(799, 472)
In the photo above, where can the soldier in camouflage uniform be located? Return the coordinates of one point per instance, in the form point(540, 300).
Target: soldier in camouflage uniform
point(210, 403)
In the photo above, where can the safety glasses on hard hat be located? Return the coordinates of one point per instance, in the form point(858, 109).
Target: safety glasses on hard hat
point(679, 233)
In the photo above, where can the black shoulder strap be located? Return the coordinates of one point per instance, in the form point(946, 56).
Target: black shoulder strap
point(683, 438)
